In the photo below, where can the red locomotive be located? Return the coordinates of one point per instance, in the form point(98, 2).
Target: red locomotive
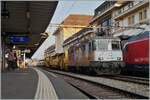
point(136, 54)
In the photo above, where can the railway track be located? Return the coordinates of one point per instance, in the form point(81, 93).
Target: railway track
point(138, 80)
point(95, 91)
point(101, 90)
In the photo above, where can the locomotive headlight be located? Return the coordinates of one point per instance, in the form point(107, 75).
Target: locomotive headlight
point(118, 58)
point(100, 58)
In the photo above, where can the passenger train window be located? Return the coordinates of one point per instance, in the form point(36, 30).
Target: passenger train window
point(115, 45)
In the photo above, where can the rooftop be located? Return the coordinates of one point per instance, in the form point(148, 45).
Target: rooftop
point(74, 19)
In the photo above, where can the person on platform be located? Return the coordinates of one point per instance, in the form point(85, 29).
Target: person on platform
point(11, 59)
point(15, 61)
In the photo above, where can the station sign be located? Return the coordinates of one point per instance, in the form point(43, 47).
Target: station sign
point(19, 39)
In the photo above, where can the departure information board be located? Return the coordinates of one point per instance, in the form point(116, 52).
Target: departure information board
point(19, 39)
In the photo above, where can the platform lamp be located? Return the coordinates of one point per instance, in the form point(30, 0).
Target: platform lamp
point(24, 56)
point(36, 44)
point(119, 3)
point(44, 35)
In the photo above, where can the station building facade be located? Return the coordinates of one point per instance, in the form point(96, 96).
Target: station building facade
point(68, 29)
point(131, 14)
point(120, 15)
point(103, 17)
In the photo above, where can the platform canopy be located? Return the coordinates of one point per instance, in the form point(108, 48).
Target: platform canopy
point(27, 18)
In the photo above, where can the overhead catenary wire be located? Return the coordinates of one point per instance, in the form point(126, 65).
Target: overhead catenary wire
point(66, 13)
point(72, 5)
point(92, 26)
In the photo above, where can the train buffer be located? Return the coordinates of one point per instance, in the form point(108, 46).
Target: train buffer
point(35, 83)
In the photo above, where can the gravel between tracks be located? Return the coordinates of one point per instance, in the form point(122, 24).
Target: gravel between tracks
point(98, 91)
point(138, 89)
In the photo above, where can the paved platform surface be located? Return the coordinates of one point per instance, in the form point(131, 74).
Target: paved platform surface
point(35, 83)
point(63, 89)
point(19, 84)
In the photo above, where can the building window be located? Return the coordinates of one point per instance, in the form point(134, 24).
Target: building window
point(129, 20)
point(140, 16)
point(123, 9)
point(117, 24)
point(109, 21)
point(132, 4)
point(132, 19)
point(145, 14)
point(99, 12)
point(119, 11)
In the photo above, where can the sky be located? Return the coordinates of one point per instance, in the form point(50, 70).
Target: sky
point(64, 9)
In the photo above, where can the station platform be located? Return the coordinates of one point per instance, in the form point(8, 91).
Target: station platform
point(35, 83)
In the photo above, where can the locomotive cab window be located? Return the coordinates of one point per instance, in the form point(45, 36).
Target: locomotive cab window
point(115, 45)
point(102, 44)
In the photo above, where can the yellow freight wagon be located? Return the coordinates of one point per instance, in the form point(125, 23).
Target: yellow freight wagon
point(66, 59)
point(46, 62)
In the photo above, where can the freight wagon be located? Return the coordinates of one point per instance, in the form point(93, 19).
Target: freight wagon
point(99, 55)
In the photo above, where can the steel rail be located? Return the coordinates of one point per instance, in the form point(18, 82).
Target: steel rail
point(131, 79)
point(73, 76)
